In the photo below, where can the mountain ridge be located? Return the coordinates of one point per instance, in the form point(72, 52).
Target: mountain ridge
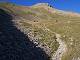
point(47, 7)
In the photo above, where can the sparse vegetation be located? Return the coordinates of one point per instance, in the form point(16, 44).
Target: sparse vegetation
point(64, 24)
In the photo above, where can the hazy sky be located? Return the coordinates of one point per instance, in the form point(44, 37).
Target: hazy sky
point(70, 5)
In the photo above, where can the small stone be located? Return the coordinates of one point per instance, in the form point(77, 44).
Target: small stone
point(71, 43)
point(69, 22)
point(36, 43)
point(64, 36)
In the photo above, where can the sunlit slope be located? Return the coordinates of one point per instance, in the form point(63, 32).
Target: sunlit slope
point(43, 22)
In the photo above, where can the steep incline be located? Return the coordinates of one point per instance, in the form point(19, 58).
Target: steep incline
point(38, 24)
point(14, 44)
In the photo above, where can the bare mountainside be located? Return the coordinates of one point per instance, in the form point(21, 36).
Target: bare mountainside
point(52, 34)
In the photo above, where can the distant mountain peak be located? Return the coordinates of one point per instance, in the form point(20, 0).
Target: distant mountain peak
point(41, 4)
point(54, 10)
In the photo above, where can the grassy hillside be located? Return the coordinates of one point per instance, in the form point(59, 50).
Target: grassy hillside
point(43, 22)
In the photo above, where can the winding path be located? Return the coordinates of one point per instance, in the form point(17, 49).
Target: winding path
point(61, 49)
point(62, 46)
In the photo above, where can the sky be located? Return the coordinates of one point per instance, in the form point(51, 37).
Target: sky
point(67, 5)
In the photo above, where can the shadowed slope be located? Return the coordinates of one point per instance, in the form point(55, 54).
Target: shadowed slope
point(14, 45)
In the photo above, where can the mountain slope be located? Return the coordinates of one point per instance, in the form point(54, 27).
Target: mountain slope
point(41, 23)
point(14, 44)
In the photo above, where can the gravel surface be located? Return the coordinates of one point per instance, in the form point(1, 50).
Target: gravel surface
point(61, 49)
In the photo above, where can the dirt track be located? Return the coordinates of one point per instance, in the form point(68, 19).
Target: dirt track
point(61, 49)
